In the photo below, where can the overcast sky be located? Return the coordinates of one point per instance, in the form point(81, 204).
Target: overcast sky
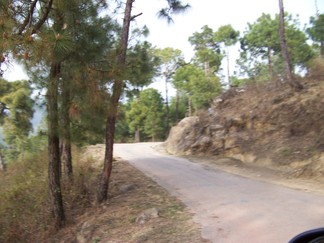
point(213, 13)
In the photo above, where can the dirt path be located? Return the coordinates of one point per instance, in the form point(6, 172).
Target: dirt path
point(230, 208)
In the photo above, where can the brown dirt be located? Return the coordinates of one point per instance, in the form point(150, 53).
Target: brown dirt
point(264, 125)
point(131, 193)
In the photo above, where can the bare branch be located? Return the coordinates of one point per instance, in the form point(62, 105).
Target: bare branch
point(135, 16)
point(42, 20)
point(28, 17)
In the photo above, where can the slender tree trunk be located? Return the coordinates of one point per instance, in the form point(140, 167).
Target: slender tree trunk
point(284, 49)
point(137, 136)
point(207, 68)
point(66, 153)
point(189, 106)
point(167, 103)
point(228, 68)
point(113, 104)
point(270, 66)
point(2, 163)
point(54, 162)
point(177, 105)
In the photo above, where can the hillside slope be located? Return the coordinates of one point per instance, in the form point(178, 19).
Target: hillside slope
point(263, 125)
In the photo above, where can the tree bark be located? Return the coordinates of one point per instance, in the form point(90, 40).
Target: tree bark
point(177, 105)
point(54, 162)
point(228, 68)
point(284, 50)
point(2, 163)
point(167, 116)
point(270, 66)
point(66, 153)
point(137, 136)
point(113, 104)
point(189, 106)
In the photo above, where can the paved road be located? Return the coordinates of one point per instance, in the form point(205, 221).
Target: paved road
point(229, 208)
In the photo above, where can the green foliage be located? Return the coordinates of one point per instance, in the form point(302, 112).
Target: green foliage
point(141, 64)
point(123, 132)
point(16, 116)
point(199, 88)
point(227, 35)
point(146, 114)
point(316, 31)
point(208, 52)
point(178, 107)
point(239, 81)
point(169, 60)
point(174, 7)
point(260, 46)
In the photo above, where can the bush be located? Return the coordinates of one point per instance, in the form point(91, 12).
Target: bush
point(316, 69)
point(24, 199)
point(25, 212)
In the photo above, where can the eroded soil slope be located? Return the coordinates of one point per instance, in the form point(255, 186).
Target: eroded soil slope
point(264, 125)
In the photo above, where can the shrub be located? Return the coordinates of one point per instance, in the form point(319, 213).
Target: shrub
point(25, 212)
point(24, 199)
point(316, 69)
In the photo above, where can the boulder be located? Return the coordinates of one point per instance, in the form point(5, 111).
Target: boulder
point(183, 135)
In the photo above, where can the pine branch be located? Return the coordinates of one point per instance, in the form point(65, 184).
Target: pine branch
point(135, 16)
point(28, 18)
point(42, 20)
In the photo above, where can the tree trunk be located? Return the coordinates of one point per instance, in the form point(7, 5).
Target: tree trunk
point(177, 105)
point(189, 106)
point(66, 153)
point(270, 66)
point(228, 68)
point(167, 103)
point(113, 104)
point(284, 49)
point(54, 162)
point(137, 136)
point(207, 68)
point(2, 163)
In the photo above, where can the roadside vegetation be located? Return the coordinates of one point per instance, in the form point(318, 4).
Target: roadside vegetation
point(92, 73)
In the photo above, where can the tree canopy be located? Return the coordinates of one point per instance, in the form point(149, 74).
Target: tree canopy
point(260, 46)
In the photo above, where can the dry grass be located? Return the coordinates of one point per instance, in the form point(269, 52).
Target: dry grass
point(25, 214)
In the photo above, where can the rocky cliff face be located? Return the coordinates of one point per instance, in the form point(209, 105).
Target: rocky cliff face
point(270, 126)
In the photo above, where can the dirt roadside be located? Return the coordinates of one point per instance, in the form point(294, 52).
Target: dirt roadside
point(138, 210)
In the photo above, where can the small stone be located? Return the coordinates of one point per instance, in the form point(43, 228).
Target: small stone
point(127, 187)
point(146, 215)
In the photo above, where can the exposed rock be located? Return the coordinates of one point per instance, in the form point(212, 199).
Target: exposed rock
point(127, 188)
point(146, 215)
point(182, 136)
point(266, 125)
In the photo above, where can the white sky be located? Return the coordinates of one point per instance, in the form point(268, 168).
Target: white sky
point(213, 13)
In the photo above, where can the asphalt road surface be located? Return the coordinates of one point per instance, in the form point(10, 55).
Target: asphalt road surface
point(228, 207)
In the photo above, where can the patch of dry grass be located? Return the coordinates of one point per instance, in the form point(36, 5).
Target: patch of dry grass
point(25, 214)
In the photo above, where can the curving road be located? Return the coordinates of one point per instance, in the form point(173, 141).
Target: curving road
point(228, 207)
